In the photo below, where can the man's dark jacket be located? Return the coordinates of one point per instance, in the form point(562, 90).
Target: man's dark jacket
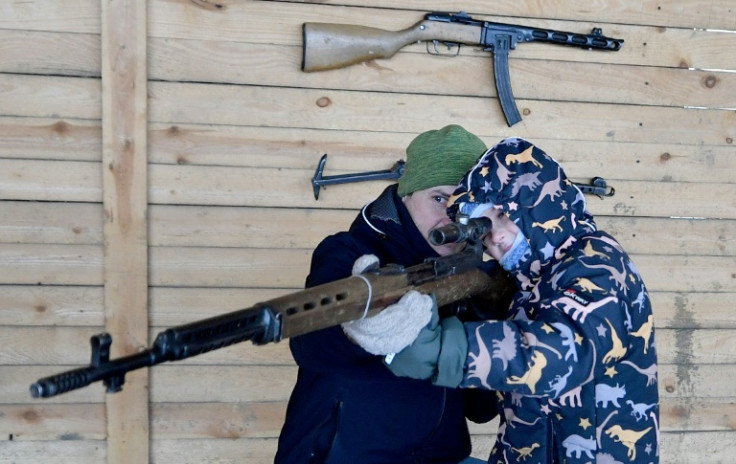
point(346, 406)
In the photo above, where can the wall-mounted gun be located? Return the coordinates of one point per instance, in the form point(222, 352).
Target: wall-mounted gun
point(330, 46)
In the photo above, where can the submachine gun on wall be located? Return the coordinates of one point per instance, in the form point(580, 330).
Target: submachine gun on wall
point(330, 46)
point(451, 279)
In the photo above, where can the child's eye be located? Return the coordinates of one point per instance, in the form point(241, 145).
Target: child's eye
point(440, 199)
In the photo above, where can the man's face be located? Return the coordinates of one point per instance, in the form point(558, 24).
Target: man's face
point(502, 235)
point(428, 209)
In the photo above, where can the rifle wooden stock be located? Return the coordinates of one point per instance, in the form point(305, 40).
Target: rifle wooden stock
point(331, 46)
point(345, 300)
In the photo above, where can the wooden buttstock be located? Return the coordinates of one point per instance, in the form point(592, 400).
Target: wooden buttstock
point(331, 46)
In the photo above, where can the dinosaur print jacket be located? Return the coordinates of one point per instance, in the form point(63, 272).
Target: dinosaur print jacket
point(575, 362)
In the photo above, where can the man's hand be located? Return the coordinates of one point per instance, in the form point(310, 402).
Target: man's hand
point(397, 326)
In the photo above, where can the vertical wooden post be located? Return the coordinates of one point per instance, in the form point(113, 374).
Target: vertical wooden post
point(124, 164)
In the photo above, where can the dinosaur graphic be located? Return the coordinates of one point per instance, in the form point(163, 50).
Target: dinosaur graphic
point(525, 156)
point(618, 350)
point(656, 429)
point(505, 349)
point(568, 340)
point(529, 339)
point(576, 444)
point(559, 383)
point(605, 394)
point(645, 332)
point(627, 437)
point(580, 311)
point(511, 418)
point(639, 301)
point(503, 174)
point(550, 226)
point(617, 276)
point(560, 251)
point(587, 285)
point(599, 429)
point(650, 372)
point(639, 410)
point(574, 395)
point(480, 364)
point(590, 252)
point(533, 375)
point(605, 458)
point(551, 189)
point(525, 452)
point(529, 180)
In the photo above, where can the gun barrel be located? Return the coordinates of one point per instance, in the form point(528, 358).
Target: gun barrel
point(594, 40)
point(456, 232)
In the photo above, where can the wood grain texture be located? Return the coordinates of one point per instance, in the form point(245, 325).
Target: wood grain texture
point(231, 136)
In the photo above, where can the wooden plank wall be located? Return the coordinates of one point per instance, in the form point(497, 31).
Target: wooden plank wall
point(235, 131)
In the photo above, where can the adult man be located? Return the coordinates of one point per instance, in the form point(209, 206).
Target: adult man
point(575, 362)
point(347, 407)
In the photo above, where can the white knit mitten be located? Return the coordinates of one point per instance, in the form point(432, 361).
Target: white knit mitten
point(394, 328)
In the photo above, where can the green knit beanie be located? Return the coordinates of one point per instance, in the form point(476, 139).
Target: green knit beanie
point(439, 157)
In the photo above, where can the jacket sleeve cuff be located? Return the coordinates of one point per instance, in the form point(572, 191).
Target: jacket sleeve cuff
point(452, 355)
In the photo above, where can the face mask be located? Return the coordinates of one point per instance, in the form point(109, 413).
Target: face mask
point(518, 249)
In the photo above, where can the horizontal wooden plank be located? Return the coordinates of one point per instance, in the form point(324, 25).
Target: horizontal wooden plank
point(351, 151)
point(50, 138)
point(465, 75)
point(51, 264)
point(40, 421)
point(178, 103)
point(48, 15)
point(252, 227)
point(51, 222)
point(51, 96)
point(59, 452)
point(34, 305)
point(685, 13)
point(242, 451)
point(287, 268)
point(53, 53)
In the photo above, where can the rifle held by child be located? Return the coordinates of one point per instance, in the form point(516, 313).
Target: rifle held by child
point(330, 46)
point(450, 278)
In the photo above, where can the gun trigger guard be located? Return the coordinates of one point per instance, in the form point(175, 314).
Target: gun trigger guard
point(449, 45)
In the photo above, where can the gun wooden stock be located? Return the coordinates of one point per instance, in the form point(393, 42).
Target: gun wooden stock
point(332, 46)
point(345, 300)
